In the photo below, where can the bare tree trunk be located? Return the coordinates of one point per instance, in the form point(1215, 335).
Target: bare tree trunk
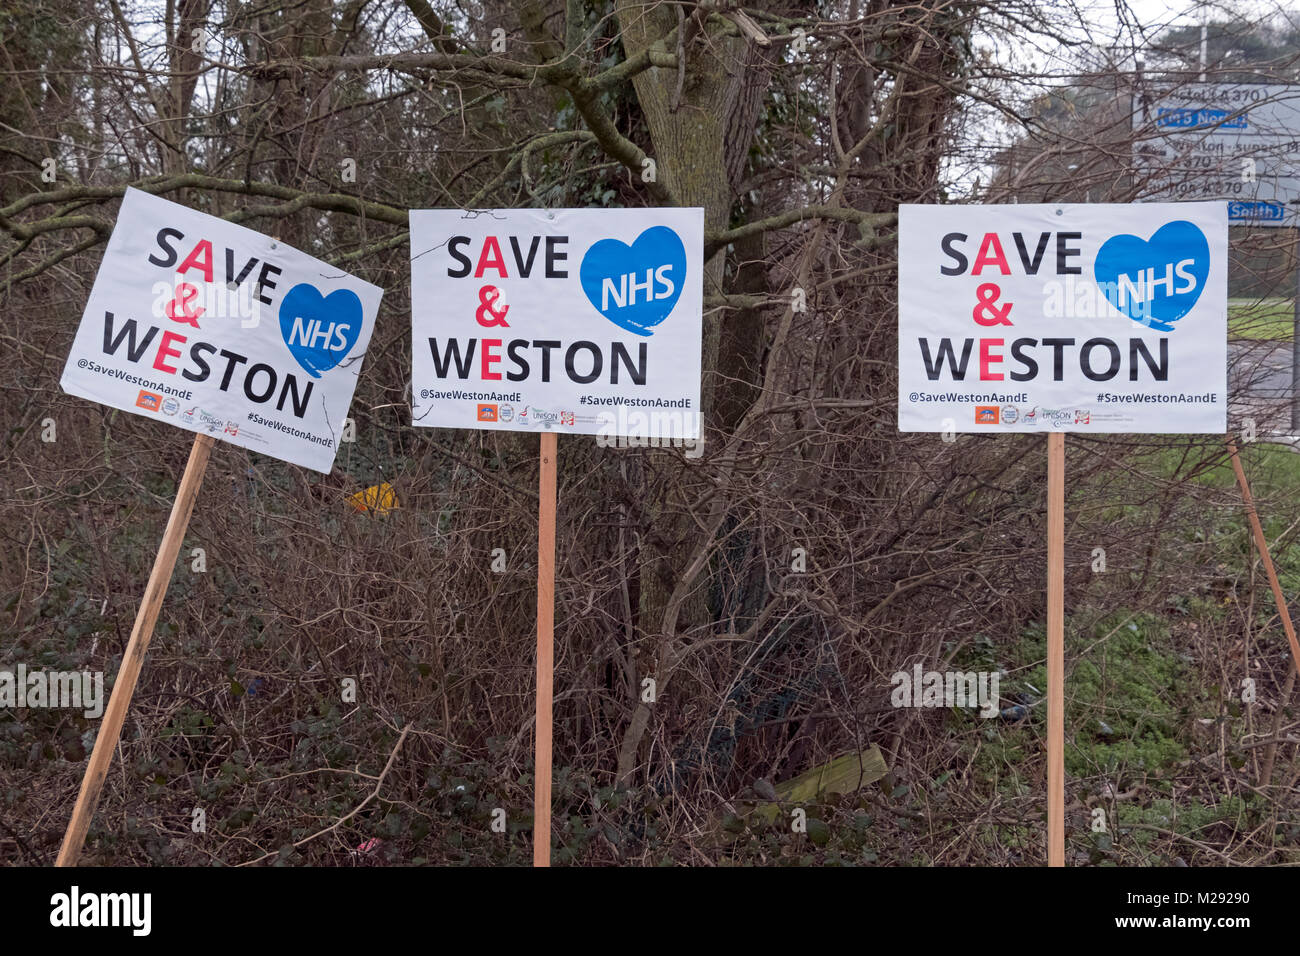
point(701, 119)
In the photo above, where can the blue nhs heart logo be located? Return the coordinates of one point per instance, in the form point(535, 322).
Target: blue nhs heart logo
point(1156, 281)
point(320, 330)
point(635, 286)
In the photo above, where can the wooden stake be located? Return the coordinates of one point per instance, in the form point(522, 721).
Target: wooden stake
point(1261, 545)
point(1258, 530)
point(110, 730)
point(545, 651)
point(1056, 649)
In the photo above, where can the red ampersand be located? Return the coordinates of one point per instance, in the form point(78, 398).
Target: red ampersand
point(988, 312)
point(488, 297)
point(185, 294)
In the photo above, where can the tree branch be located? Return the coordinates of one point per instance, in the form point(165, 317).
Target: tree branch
point(559, 71)
point(716, 240)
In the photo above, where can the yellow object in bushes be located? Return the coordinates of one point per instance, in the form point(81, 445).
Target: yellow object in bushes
point(380, 499)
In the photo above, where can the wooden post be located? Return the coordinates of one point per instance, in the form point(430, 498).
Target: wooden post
point(1295, 341)
point(545, 651)
point(1257, 530)
point(1056, 649)
point(1261, 545)
point(110, 730)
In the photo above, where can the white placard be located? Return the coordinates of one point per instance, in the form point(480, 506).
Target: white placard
point(1089, 318)
point(211, 327)
point(585, 321)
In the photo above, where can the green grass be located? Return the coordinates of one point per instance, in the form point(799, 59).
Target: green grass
point(1266, 319)
point(1271, 469)
point(1128, 703)
point(1135, 684)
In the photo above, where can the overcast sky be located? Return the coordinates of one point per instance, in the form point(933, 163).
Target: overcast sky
point(1104, 22)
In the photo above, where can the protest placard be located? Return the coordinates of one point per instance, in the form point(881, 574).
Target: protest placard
point(1090, 318)
point(1058, 318)
point(585, 321)
point(219, 330)
point(214, 328)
